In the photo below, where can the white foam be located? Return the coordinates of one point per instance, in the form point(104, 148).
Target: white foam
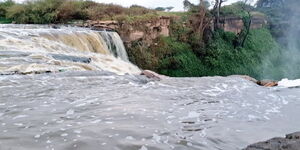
point(289, 83)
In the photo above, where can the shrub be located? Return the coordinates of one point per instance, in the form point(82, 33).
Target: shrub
point(72, 10)
point(136, 10)
point(235, 9)
point(18, 14)
point(179, 60)
point(62, 11)
point(39, 12)
point(167, 56)
point(101, 11)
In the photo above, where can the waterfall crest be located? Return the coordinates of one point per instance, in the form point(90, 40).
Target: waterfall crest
point(32, 48)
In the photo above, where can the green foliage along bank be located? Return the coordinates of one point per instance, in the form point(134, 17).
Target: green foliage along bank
point(186, 53)
point(252, 59)
point(167, 56)
point(171, 57)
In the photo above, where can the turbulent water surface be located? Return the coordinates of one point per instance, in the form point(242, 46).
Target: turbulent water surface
point(94, 110)
point(82, 105)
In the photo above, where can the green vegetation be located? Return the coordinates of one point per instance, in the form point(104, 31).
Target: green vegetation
point(135, 19)
point(254, 52)
point(4, 6)
point(168, 57)
point(235, 9)
point(4, 21)
point(174, 58)
point(63, 11)
point(223, 59)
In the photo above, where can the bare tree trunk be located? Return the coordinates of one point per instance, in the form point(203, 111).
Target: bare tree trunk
point(218, 14)
point(217, 10)
point(248, 27)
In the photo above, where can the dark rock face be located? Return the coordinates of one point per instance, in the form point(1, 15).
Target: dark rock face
point(290, 142)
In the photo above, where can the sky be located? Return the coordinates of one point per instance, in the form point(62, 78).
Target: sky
point(177, 4)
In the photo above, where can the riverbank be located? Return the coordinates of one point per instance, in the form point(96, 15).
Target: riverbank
point(290, 142)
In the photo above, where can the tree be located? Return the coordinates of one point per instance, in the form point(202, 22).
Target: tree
point(160, 8)
point(200, 21)
point(242, 37)
point(217, 10)
point(187, 5)
point(4, 6)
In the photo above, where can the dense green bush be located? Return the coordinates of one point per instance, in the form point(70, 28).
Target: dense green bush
point(256, 59)
point(4, 6)
point(4, 21)
point(39, 12)
point(167, 56)
point(179, 61)
point(72, 10)
point(235, 9)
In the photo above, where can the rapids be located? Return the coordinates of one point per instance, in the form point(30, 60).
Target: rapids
point(37, 49)
point(95, 100)
point(98, 110)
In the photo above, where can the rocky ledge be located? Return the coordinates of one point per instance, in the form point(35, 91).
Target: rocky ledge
point(266, 83)
point(290, 142)
point(153, 75)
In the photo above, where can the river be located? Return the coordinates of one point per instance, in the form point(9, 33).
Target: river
point(111, 108)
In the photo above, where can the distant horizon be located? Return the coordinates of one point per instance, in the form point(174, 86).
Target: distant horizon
point(177, 4)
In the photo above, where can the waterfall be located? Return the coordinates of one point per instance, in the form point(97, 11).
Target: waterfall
point(36, 48)
point(115, 44)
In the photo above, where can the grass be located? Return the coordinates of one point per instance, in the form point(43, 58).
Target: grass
point(4, 21)
point(172, 14)
point(134, 19)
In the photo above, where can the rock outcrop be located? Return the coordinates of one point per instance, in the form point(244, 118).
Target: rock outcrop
point(236, 24)
point(129, 32)
point(152, 75)
point(267, 83)
point(290, 142)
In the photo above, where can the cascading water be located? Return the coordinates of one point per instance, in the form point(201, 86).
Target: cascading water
point(115, 44)
point(31, 48)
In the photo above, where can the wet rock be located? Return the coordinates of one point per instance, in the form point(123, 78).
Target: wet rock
point(55, 26)
point(267, 83)
point(152, 75)
point(290, 142)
